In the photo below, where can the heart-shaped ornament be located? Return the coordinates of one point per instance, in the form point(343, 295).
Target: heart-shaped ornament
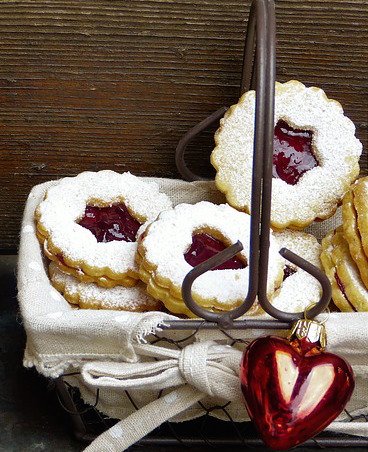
point(293, 389)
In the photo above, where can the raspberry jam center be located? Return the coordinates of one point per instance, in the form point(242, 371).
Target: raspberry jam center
point(205, 246)
point(342, 289)
point(288, 271)
point(292, 153)
point(110, 223)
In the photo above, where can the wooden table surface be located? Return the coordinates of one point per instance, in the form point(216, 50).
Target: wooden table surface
point(100, 84)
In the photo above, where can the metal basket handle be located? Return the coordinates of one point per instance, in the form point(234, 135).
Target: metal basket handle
point(261, 35)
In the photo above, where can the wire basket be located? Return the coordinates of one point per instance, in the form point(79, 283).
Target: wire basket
point(259, 67)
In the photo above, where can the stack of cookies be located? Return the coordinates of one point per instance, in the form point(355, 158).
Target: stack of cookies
point(188, 235)
point(315, 160)
point(115, 242)
point(345, 251)
point(88, 227)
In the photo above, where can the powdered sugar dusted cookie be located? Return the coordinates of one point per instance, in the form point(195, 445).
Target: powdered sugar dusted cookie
point(91, 296)
point(190, 234)
point(360, 196)
point(352, 234)
point(348, 290)
point(315, 156)
point(89, 224)
point(299, 289)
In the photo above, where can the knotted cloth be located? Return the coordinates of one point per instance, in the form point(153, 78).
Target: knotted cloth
point(210, 368)
point(197, 370)
point(106, 346)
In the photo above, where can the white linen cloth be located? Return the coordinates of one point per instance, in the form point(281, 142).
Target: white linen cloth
point(109, 349)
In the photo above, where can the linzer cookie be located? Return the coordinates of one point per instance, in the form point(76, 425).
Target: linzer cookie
point(91, 296)
point(351, 231)
point(299, 289)
point(360, 197)
point(348, 290)
point(315, 155)
point(338, 293)
point(190, 234)
point(89, 224)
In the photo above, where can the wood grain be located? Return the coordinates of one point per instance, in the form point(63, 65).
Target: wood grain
point(114, 84)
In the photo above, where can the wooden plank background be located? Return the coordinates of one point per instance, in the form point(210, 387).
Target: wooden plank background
point(87, 85)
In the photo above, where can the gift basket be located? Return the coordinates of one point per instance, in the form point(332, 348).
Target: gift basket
point(121, 374)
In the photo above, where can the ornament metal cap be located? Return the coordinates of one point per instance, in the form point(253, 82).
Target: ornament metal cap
point(313, 331)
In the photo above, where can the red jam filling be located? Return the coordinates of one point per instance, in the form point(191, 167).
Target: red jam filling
point(342, 288)
point(61, 259)
point(288, 271)
point(110, 223)
point(205, 246)
point(292, 153)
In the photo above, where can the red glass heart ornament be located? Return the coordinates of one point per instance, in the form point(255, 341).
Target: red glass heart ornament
point(293, 390)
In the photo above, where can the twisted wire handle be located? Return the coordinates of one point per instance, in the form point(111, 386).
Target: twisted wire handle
point(261, 35)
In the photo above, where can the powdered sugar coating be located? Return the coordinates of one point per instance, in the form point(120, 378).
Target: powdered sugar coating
point(319, 190)
point(300, 289)
point(65, 204)
point(168, 238)
point(92, 296)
